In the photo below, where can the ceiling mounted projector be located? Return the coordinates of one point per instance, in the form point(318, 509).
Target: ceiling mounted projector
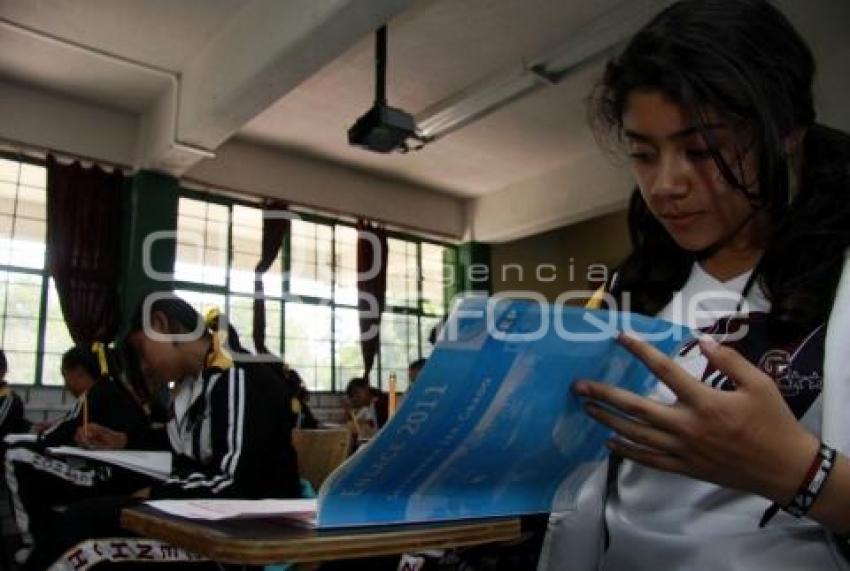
point(382, 128)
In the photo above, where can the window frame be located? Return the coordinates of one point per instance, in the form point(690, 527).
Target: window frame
point(43, 273)
point(337, 385)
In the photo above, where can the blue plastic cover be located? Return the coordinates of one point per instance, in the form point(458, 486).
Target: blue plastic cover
point(491, 427)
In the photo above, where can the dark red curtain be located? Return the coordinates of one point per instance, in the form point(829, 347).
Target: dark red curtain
point(372, 288)
point(84, 247)
point(275, 227)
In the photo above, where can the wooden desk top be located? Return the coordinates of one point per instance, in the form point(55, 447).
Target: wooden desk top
point(264, 541)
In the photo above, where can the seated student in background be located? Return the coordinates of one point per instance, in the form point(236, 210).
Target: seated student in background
point(229, 428)
point(12, 418)
point(38, 481)
point(223, 410)
point(99, 399)
point(368, 406)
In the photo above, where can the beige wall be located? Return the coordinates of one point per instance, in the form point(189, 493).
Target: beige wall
point(263, 171)
point(557, 261)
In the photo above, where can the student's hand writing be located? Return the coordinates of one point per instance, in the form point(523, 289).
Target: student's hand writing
point(100, 437)
point(40, 427)
point(747, 439)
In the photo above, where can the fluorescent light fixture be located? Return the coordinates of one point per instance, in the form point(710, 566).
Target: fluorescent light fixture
point(474, 102)
point(603, 35)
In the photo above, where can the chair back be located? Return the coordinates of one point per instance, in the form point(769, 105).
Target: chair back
point(320, 451)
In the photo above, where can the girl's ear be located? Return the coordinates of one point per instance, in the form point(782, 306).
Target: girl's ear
point(159, 322)
point(793, 141)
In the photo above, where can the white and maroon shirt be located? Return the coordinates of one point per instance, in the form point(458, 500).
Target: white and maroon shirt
point(658, 520)
point(662, 521)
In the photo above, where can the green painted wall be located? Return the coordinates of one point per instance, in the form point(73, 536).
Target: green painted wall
point(150, 205)
point(473, 265)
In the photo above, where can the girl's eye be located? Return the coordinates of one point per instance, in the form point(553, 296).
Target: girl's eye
point(698, 154)
point(642, 157)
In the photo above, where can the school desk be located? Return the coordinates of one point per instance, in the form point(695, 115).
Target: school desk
point(267, 541)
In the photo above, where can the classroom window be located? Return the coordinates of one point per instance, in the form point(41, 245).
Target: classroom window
point(201, 242)
point(311, 289)
point(401, 274)
point(307, 343)
point(311, 269)
point(32, 331)
point(57, 340)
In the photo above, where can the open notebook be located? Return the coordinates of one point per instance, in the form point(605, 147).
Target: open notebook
point(303, 511)
point(156, 465)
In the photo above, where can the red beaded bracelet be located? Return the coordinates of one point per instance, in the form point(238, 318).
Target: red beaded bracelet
point(812, 485)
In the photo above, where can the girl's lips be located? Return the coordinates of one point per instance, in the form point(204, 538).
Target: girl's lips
point(680, 221)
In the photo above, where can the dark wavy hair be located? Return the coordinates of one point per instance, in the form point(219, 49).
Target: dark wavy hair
point(78, 357)
point(742, 60)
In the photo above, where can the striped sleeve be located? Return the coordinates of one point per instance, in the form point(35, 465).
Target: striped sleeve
point(5, 407)
point(224, 439)
point(62, 432)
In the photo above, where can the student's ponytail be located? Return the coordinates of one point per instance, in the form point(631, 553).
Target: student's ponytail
point(802, 267)
point(215, 320)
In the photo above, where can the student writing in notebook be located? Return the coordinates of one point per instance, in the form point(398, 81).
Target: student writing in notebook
point(740, 225)
point(229, 427)
point(99, 398)
point(39, 481)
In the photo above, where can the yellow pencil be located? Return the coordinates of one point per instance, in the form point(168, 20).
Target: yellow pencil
point(392, 400)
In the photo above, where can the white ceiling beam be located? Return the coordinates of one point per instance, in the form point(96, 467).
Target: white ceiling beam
point(37, 119)
point(265, 50)
point(245, 167)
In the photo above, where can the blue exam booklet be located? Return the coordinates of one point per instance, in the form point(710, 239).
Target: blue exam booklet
point(491, 427)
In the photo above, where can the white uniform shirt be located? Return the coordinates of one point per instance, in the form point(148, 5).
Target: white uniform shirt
point(662, 521)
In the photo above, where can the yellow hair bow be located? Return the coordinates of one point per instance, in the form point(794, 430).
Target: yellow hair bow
point(212, 315)
point(99, 349)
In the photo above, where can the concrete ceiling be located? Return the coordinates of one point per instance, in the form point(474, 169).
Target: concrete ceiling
point(162, 33)
point(436, 48)
point(271, 86)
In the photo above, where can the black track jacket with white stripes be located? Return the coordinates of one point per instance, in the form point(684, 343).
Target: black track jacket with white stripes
point(11, 413)
point(230, 431)
point(109, 405)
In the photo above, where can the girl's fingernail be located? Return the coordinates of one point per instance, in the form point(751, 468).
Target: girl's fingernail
point(708, 343)
point(581, 389)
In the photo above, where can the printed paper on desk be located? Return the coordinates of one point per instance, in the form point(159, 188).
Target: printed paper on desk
point(154, 464)
point(491, 428)
point(214, 509)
